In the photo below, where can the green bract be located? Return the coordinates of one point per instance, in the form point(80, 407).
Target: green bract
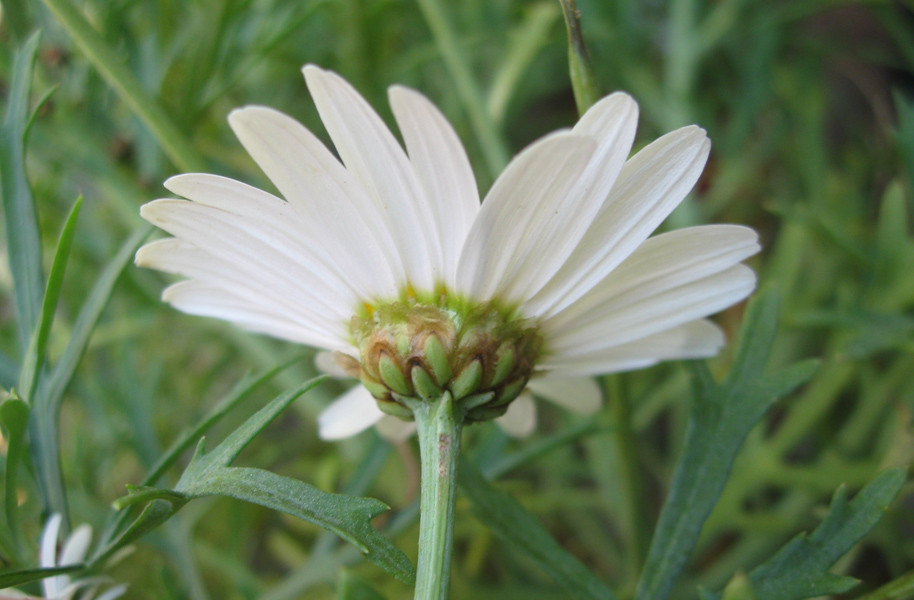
point(483, 356)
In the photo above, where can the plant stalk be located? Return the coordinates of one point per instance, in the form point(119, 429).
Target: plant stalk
point(439, 424)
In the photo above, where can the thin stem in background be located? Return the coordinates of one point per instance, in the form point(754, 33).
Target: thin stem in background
point(491, 144)
point(583, 81)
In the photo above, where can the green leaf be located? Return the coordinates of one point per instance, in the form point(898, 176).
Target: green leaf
point(210, 475)
point(89, 315)
point(905, 133)
point(16, 18)
point(162, 506)
point(22, 235)
point(232, 446)
point(350, 586)
point(14, 415)
point(722, 416)
point(49, 394)
point(242, 389)
point(106, 60)
point(901, 588)
point(9, 371)
point(20, 577)
point(800, 569)
point(511, 522)
point(348, 516)
point(35, 355)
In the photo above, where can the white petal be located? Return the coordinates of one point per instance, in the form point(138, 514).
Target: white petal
point(49, 537)
point(660, 308)
point(652, 183)
point(48, 554)
point(440, 162)
point(371, 153)
point(394, 429)
point(520, 419)
point(333, 235)
point(353, 412)
point(76, 547)
point(264, 288)
point(335, 212)
point(255, 251)
point(662, 264)
point(209, 300)
point(580, 394)
point(696, 339)
point(520, 230)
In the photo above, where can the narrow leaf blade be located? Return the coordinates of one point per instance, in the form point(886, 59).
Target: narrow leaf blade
point(35, 355)
point(511, 522)
point(23, 576)
point(22, 234)
point(14, 415)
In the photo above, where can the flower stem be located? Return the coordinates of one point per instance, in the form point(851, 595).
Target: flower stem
point(439, 425)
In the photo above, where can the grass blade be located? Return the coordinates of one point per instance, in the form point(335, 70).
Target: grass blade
point(22, 234)
point(46, 408)
point(35, 356)
point(511, 522)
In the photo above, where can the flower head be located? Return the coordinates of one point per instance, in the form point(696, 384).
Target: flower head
point(387, 258)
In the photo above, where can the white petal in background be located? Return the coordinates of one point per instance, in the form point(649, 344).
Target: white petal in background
point(351, 413)
point(520, 419)
point(394, 429)
point(579, 394)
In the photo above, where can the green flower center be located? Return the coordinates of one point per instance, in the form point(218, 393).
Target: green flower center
point(483, 355)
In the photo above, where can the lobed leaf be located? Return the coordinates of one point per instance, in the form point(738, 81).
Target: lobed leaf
point(799, 569)
point(511, 522)
point(722, 416)
point(210, 475)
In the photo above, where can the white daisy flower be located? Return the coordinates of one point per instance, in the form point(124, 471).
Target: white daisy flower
point(73, 552)
point(388, 259)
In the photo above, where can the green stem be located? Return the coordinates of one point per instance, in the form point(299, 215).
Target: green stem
point(174, 143)
point(583, 81)
point(631, 486)
point(439, 425)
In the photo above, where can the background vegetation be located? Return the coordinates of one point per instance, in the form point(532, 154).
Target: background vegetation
point(810, 106)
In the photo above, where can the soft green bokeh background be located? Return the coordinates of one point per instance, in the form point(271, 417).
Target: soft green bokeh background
point(810, 106)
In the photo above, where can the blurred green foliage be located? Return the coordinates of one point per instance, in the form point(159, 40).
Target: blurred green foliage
point(810, 106)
